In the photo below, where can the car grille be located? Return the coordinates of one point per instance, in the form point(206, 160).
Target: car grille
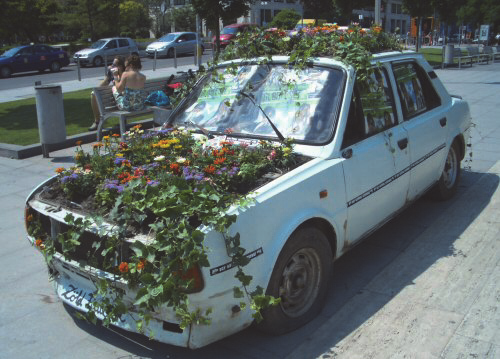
point(84, 252)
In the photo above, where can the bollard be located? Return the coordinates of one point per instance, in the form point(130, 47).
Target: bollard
point(154, 62)
point(175, 58)
point(78, 67)
point(50, 116)
point(105, 65)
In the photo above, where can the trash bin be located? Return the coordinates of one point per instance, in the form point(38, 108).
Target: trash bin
point(50, 115)
point(448, 55)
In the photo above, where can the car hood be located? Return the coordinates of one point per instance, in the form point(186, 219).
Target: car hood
point(86, 51)
point(159, 44)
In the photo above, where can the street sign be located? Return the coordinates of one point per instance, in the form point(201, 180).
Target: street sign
point(483, 32)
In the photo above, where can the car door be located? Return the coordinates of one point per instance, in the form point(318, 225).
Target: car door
point(42, 56)
point(124, 47)
point(191, 43)
point(24, 60)
point(110, 51)
point(182, 44)
point(377, 161)
point(425, 120)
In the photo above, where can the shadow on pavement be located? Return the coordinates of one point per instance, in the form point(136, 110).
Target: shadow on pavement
point(351, 275)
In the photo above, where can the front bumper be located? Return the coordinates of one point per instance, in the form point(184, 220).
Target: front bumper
point(83, 61)
point(151, 52)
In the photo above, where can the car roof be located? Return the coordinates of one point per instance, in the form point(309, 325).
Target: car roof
point(241, 25)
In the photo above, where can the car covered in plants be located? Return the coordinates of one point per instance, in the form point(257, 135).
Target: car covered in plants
point(270, 168)
point(32, 58)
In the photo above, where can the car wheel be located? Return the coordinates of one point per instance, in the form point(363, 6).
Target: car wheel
point(300, 278)
point(55, 66)
point(170, 52)
point(447, 185)
point(41, 71)
point(5, 71)
point(97, 61)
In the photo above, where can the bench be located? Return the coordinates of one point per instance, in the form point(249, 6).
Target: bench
point(474, 52)
point(492, 52)
point(457, 54)
point(108, 108)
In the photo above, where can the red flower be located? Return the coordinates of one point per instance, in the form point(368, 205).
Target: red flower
point(175, 167)
point(60, 169)
point(123, 145)
point(123, 267)
point(209, 169)
point(219, 161)
point(39, 244)
point(87, 167)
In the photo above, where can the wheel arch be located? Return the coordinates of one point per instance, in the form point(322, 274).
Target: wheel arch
point(324, 226)
point(460, 141)
point(9, 67)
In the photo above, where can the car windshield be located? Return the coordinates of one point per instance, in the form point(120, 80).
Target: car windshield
point(11, 52)
point(98, 44)
point(302, 104)
point(168, 38)
point(229, 30)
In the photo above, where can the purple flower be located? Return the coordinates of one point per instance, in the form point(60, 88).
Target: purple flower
point(119, 160)
point(65, 179)
point(153, 183)
point(74, 176)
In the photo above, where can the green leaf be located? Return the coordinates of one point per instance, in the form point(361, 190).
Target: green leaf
point(237, 292)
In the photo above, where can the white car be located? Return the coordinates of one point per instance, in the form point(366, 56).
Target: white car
point(363, 167)
point(104, 50)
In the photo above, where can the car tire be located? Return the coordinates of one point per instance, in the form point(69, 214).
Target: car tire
point(170, 53)
point(300, 278)
point(41, 71)
point(5, 72)
point(97, 61)
point(55, 66)
point(447, 185)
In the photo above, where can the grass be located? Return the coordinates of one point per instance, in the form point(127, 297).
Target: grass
point(432, 55)
point(19, 124)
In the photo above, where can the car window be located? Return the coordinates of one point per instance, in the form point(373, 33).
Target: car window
point(181, 38)
point(191, 37)
point(42, 49)
point(372, 108)
point(26, 51)
point(415, 89)
point(111, 44)
point(123, 42)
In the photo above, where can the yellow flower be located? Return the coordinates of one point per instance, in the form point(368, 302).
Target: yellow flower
point(119, 155)
point(178, 146)
point(106, 138)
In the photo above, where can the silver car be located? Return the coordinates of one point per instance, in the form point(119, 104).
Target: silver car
point(182, 42)
point(104, 50)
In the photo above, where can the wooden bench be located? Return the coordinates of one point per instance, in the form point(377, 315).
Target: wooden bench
point(492, 52)
point(108, 108)
point(474, 52)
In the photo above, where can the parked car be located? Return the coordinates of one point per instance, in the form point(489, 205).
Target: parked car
point(229, 32)
point(104, 50)
point(32, 58)
point(180, 42)
point(361, 165)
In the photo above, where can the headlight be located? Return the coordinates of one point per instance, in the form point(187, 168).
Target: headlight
point(81, 55)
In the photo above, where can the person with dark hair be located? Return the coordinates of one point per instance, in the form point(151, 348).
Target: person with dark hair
point(128, 91)
point(114, 71)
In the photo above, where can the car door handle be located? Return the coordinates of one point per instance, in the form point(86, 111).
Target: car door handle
point(403, 143)
point(442, 122)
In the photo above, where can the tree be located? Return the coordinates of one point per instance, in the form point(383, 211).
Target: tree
point(286, 19)
point(134, 19)
point(345, 8)
point(213, 10)
point(184, 19)
point(478, 12)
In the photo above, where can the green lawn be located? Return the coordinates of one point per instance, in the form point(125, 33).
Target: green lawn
point(432, 55)
point(19, 125)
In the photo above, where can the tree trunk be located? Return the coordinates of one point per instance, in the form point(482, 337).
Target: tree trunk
point(419, 31)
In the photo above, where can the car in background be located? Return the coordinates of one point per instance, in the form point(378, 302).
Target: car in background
point(180, 42)
point(229, 32)
point(32, 58)
point(104, 50)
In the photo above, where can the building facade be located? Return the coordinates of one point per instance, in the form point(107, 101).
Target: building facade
point(392, 16)
point(263, 12)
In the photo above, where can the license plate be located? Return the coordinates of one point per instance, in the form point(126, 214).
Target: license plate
point(75, 296)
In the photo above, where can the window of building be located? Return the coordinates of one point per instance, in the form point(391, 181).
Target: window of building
point(265, 16)
point(179, 2)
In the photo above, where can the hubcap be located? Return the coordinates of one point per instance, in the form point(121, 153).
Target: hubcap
point(300, 282)
point(450, 169)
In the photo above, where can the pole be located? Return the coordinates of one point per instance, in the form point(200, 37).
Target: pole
point(378, 4)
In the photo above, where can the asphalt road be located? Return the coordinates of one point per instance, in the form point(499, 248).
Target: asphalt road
point(70, 73)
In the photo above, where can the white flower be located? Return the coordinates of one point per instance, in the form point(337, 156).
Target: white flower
point(180, 160)
point(159, 158)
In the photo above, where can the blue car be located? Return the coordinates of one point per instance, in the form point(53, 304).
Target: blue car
point(32, 58)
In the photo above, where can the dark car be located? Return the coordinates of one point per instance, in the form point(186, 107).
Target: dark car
point(32, 58)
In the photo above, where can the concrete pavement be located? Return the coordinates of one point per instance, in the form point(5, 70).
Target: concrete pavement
point(423, 286)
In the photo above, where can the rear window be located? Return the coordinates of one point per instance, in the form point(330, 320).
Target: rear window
point(123, 43)
point(229, 30)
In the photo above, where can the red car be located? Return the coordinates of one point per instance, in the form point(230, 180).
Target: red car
point(229, 32)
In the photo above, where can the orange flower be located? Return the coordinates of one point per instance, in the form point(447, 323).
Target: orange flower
point(97, 145)
point(141, 264)
point(362, 31)
point(174, 167)
point(29, 218)
point(341, 39)
point(115, 135)
point(79, 143)
point(209, 169)
point(123, 267)
point(60, 169)
point(39, 244)
point(377, 29)
point(219, 161)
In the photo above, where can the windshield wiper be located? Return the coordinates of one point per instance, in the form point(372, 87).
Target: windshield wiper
point(278, 133)
point(201, 128)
